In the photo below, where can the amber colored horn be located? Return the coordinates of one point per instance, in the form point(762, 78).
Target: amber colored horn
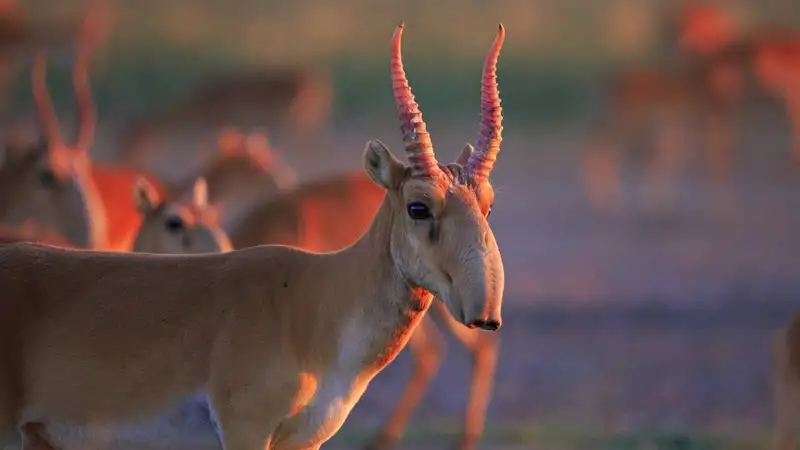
point(41, 97)
point(415, 135)
point(491, 123)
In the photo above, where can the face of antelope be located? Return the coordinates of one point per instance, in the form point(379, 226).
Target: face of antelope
point(45, 185)
point(50, 183)
point(440, 237)
point(174, 227)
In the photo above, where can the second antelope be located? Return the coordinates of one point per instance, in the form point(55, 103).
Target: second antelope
point(283, 341)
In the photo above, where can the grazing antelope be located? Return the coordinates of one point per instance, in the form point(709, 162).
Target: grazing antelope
point(295, 98)
point(772, 53)
point(786, 386)
point(246, 172)
point(283, 341)
point(177, 227)
point(56, 184)
point(705, 88)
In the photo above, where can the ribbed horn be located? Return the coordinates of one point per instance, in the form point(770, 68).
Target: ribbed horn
point(415, 135)
point(491, 124)
point(41, 97)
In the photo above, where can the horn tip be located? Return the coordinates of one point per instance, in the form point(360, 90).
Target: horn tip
point(401, 25)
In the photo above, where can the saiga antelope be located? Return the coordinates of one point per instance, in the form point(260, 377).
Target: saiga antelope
point(246, 172)
point(177, 227)
point(786, 385)
point(56, 184)
point(330, 213)
point(284, 341)
point(707, 87)
point(772, 53)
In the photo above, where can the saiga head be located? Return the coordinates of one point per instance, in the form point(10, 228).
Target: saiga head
point(440, 237)
point(175, 227)
point(51, 183)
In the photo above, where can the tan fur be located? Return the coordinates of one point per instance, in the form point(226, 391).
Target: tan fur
point(786, 386)
point(56, 184)
point(30, 233)
point(284, 341)
point(329, 214)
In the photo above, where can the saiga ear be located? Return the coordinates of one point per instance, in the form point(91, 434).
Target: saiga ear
point(382, 166)
point(466, 152)
point(145, 195)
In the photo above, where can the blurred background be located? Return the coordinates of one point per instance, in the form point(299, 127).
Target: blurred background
point(644, 317)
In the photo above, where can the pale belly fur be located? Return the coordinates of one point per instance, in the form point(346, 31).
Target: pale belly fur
point(186, 425)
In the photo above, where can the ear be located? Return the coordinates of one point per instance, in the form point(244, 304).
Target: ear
point(382, 166)
point(200, 193)
point(145, 195)
point(463, 157)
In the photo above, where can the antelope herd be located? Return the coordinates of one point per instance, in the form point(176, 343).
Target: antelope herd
point(290, 297)
point(705, 87)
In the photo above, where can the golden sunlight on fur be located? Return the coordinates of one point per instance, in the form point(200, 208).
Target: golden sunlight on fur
point(283, 341)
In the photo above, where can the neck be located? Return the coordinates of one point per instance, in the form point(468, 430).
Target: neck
point(389, 306)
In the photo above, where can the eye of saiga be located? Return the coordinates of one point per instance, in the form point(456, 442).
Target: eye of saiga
point(174, 224)
point(418, 211)
point(47, 178)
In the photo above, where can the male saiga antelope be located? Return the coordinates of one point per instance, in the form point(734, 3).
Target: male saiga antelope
point(330, 213)
point(283, 341)
point(56, 184)
point(786, 385)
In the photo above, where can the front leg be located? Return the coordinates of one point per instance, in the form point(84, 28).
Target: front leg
point(242, 422)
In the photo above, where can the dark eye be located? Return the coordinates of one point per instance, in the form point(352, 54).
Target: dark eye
point(174, 224)
point(47, 178)
point(418, 211)
point(489, 213)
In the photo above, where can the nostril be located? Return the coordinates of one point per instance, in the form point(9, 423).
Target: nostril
point(487, 325)
point(477, 324)
point(491, 325)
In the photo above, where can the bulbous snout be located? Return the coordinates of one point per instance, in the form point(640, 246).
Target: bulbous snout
point(479, 294)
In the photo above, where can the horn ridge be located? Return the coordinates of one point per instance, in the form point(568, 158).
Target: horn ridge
point(416, 138)
point(490, 133)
